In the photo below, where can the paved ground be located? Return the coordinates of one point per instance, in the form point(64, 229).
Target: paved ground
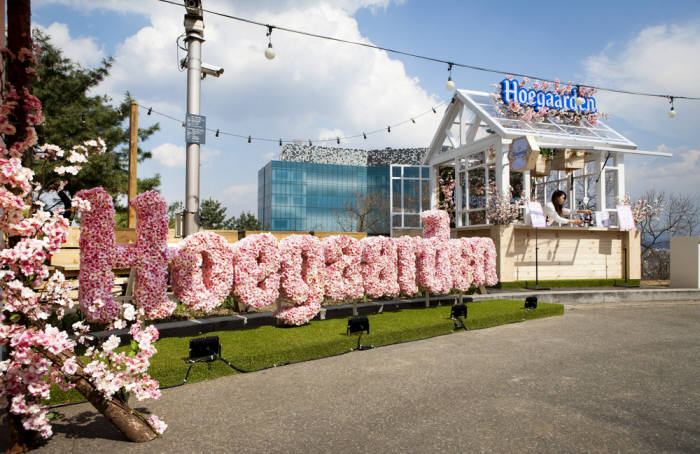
point(603, 378)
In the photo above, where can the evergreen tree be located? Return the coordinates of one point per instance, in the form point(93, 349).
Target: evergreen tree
point(212, 216)
point(73, 116)
point(246, 221)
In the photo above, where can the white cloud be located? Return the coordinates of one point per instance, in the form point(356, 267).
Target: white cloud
point(239, 197)
point(169, 154)
point(660, 59)
point(84, 50)
point(313, 88)
point(678, 174)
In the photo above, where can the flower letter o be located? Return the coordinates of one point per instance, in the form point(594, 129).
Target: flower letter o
point(202, 271)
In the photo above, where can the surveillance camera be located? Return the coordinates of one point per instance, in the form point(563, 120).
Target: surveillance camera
point(211, 70)
point(194, 7)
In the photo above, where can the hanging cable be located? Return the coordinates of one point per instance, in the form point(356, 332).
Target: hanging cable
point(219, 132)
point(433, 59)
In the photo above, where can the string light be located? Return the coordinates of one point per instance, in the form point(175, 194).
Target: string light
point(82, 117)
point(423, 57)
point(449, 85)
point(434, 111)
point(310, 144)
point(218, 132)
point(150, 109)
point(672, 112)
point(269, 52)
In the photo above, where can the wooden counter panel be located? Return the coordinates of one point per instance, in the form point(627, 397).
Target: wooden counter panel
point(564, 252)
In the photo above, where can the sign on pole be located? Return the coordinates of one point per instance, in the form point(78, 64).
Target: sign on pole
point(195, 129)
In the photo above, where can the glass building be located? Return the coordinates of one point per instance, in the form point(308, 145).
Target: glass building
point(333, 189)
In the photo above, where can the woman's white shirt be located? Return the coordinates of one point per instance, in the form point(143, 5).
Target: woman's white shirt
point(552, 216)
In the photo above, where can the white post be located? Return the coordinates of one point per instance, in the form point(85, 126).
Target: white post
point(600, 186)
point(458, 194)
point(620, 164)
point(433, 187)
point(526, 184)
point(502, 168)
point(194, 27)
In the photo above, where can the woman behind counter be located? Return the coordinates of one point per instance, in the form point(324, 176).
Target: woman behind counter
point(554, 211)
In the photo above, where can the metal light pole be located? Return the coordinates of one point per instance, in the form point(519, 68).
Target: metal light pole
point(194, 30)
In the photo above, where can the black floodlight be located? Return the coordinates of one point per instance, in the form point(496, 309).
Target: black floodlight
point(459, 310)
point(359, 325)
point(531, 302)
point(205, 346)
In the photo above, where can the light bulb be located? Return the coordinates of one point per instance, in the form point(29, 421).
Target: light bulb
point(269, 52)
point(449, 86)
point(671, 113)
point(579, 100)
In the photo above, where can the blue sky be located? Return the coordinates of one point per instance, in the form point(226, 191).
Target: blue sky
point(317, 89)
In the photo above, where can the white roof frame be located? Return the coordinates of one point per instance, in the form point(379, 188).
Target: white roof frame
point(559, 136)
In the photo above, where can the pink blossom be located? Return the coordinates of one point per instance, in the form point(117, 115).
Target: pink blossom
point(379, 266)
point(343, 279)
point(256, 262)
point(202, 271)
point(302, 273)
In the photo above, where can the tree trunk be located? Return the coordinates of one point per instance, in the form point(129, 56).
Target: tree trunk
point(18, 37)
point(132, 425)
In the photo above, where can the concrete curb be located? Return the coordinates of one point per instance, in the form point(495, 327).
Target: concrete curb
point(253, 320)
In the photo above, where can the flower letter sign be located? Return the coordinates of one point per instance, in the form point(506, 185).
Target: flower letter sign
point(297, 273)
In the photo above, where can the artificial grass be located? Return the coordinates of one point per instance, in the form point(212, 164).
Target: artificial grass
point(568, 283)
point(261, 347)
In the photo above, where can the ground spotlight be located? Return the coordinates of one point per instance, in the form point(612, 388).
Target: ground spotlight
point(459, 310)
point(202, 347)
point(531, 302)
point(359, 325)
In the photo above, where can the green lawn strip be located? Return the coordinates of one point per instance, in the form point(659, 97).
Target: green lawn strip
point(567, 283)
point(262, 347)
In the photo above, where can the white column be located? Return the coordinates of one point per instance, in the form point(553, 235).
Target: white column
point(502, 168)
point(526, 185)
point(458, 193)
point(433, 187)
point(620, 164)
point(600, 186)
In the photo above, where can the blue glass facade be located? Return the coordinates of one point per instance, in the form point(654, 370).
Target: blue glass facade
point(305, 196)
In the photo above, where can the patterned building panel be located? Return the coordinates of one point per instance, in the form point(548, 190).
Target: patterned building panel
point(352, 156)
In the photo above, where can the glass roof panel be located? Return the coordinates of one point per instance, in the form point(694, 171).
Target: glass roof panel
point(552, 127)
point(578, 131)
point(482, 99)
point(515, 124)
point(547, 128)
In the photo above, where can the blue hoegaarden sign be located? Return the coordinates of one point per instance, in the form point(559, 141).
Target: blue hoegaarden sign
point(511, 92)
